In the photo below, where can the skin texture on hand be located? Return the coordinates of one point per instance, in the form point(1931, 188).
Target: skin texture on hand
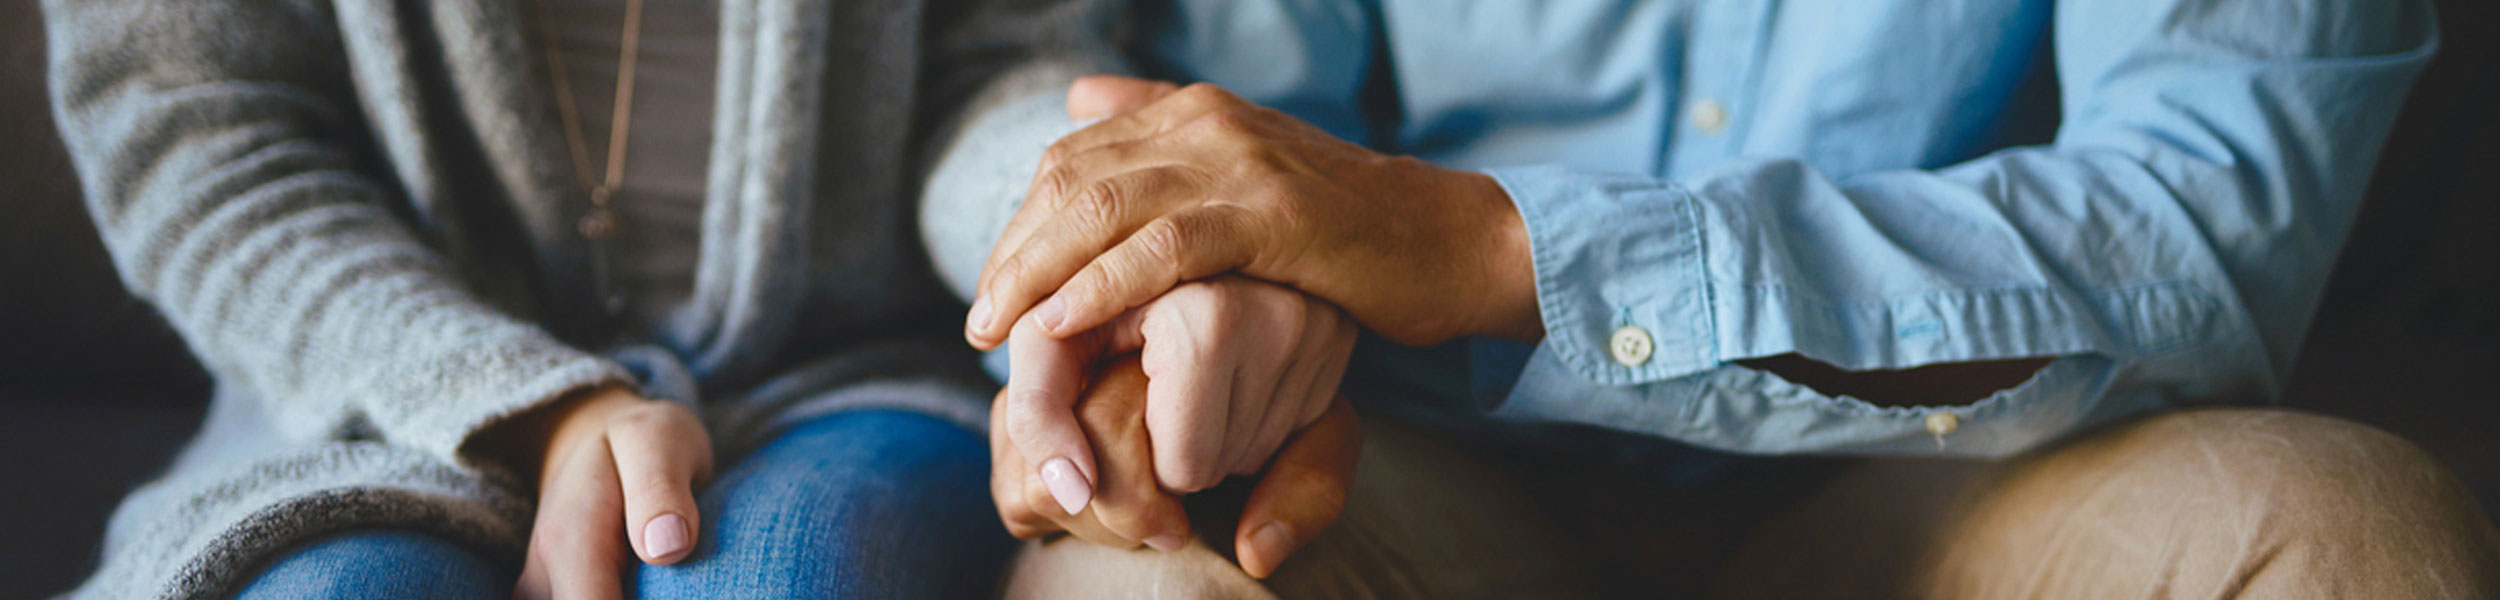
point(1235, 366)
point(1198, 182)
point(1300, 493)
point(615, 481)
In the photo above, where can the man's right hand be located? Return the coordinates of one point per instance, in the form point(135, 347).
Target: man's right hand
point(1299, 495)
point(610, 458)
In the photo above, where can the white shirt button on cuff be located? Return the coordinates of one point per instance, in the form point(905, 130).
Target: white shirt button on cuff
point(1631, 346)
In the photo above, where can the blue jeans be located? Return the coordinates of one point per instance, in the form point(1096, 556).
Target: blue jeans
point(854, 504)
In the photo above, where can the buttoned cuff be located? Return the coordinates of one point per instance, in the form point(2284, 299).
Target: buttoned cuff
point(1736, 409)
point(1621, 283)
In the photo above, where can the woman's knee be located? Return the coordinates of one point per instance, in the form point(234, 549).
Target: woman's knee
point(379, 564)
point(881, 503)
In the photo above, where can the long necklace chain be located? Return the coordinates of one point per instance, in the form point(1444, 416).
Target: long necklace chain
point(601, 222)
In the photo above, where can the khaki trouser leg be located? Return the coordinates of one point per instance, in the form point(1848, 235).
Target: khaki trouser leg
point(1424, 520)
point(2214, 503)
point(2194, 504)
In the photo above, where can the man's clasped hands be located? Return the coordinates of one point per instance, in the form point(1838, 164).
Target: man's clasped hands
point(1179, 296)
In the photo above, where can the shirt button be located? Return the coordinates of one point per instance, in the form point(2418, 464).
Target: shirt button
point(1708, 115)
point(1943, 423)
point(1631, 346)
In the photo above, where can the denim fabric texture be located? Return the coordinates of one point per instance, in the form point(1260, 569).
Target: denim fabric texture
point(860, 504)
point(381, 564)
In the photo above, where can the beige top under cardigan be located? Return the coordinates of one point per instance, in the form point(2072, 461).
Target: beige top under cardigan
point(360, 216)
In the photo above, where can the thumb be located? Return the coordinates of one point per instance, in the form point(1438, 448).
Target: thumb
point(661, 453)
point(1044, 376)
point(1098, 96)
point(1302, 493)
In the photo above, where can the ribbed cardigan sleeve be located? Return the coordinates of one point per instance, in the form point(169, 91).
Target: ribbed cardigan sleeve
point(1000, 75)
point(224, 162)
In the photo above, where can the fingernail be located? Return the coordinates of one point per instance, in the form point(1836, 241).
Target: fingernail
point(1067, 485)
point(979, 320)
point(1273, 541)
point(665, 535)
point(1166, 542)
point(1051, 312)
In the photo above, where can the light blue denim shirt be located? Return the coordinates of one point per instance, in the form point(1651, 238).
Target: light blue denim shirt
point(2150, 191)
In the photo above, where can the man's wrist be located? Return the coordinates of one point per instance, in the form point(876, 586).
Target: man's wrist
point(1505, 302)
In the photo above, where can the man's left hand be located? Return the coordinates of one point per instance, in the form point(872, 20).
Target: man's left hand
point(1198, 182)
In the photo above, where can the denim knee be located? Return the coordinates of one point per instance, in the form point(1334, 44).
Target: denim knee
point(379, 564)
point(854, 504)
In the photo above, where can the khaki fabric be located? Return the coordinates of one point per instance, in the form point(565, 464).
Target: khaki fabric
point(1424, 520)
point(2218, 503)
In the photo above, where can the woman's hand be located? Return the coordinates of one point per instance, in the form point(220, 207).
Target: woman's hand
point(1234, 366)
point(1198, 182)
point(611, 459)
point(1300, 493)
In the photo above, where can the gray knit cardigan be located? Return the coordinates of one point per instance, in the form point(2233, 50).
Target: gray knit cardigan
point(358, 214)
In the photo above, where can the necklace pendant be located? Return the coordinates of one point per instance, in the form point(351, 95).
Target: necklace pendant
point(599, 224)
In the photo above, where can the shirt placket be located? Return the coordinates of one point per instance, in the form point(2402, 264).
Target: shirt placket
point(1724, 54)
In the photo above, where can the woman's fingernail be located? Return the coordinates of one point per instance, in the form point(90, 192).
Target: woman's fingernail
point(1273, 540)
point(665, 535)
point(1051, 312)
point(979, 320)
point(1166, 542)
point(1067, 485)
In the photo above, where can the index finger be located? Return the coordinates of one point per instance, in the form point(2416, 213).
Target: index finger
point(1049, 181)
point(574, 549)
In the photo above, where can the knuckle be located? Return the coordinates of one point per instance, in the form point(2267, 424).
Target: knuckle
point(1283, 203)
point(1037, 500)
point(1104, 423)
point(1098, 283)
point(1189, 473)
point(1228, 308)
point(1057, 154)
point(1055, 179)
point(1101, 202)
point(1011, 511)
point(1028, 419)
point(1003, 491)
point(1022, 523)
point(1229, 120)
point(646, 416)
point(1199, 477)
point(1204, 129)
point(1009, 277)
point(1162, 240)
point(1291, 315)
point(1202, 94)
point(1023, 531)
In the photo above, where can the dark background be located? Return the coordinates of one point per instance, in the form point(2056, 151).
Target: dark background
point(95, 393)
